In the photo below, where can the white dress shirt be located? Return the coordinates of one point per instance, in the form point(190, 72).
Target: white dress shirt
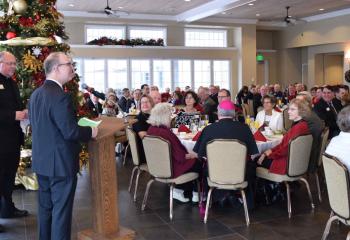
point(276, 120)
point(339, 148)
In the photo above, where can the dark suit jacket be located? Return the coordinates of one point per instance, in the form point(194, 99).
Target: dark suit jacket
point(55, 132)
point(11, 133)
point(257, 102)
point(325, 112)
point(125, 104)
point(95, 110)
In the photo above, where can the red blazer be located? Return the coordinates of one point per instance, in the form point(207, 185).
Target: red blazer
point(178, 151)
point(279, 153)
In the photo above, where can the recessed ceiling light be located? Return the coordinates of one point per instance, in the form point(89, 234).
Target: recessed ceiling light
point(321, 9)
point(251, 4)
point(258, 14)
point(71, 5)
point(187, 0)
point(223, 13)
point(120, 7)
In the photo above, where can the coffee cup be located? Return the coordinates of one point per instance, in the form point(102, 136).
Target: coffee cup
point(268, 131)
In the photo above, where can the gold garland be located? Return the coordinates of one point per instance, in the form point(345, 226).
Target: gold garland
point(30, 62)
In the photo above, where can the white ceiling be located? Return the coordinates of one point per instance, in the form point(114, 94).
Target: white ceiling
point(162, 7)
point(180, 10)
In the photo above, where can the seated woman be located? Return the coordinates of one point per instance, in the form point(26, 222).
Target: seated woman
point(190, 113)
point(141, 126)
point(275, 159)
point(182, 161)
point(110, 105)
point(339, 145)
point(269, 116)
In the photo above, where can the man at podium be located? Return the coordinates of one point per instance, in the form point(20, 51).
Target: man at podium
point(55, 153)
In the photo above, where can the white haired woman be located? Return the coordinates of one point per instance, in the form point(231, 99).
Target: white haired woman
point(182, 160)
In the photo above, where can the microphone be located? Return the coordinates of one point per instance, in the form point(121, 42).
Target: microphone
point(84, 86)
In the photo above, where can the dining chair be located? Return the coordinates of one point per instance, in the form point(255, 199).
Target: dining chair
point(250, 107)
point(299, 150)
point(287, 123)
point(226, 161)
point(337, 181)
point(322, 147)
point(140, 167)
point(159, 162)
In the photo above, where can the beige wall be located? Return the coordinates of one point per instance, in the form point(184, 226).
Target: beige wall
point(328, 31)
point(333, 69)
point(315, 39)
point(265, 39)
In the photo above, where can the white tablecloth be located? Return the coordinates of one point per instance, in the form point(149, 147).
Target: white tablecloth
point(262, 146)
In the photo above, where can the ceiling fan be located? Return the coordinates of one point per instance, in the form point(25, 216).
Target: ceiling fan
point(289, 20)
point(111, 12)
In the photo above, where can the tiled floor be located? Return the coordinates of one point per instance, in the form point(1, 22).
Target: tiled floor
point(224, 223)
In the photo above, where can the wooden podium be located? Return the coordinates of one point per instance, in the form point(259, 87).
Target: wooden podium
point(104, 187)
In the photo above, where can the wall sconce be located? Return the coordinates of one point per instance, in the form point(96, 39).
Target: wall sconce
point(347, 56)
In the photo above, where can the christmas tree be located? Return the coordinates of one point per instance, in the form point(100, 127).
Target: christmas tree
point(31, 30)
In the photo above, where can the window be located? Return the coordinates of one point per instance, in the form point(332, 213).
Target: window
point(201, 73)
point(221, 71)
point(140, 73)
point(117, 74)
point(78, 66)
point(147, 33)
point(132, 73)
point(94, 74)
point(162, 74)
point(205, 37)
point(182, 73)
point(96, 31)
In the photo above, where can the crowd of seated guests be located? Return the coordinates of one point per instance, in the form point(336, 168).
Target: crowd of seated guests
point(310, 112)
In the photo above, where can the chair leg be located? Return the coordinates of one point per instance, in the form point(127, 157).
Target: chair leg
point(207, 205)
point(171, 201)
point(309, 192)
point(245, 207)
point(289, 204)
point(318, 186)
point(328, 227)
point(199, 192)
point(139, 171)
point(125, 153)
point(146, 194)
point(348, 236)
point(132, 178)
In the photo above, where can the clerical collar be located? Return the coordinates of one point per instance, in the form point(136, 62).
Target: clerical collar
point(59, 84)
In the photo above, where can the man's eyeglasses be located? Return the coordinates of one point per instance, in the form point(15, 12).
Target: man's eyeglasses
point(67, 64)
point(10, 63)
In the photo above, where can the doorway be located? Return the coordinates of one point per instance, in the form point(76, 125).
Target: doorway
point(329, 68)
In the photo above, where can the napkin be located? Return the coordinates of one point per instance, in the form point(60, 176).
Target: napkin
point(258, 136)
point(277, 109)
point(183, 128)
point(195, 138)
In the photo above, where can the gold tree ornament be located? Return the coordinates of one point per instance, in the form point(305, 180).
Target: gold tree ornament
point(20, 6)
point(30, 62)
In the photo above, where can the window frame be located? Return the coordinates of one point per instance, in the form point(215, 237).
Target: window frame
point(97, 26)
point(151, 76)
point(137, 27)
point(187, 29)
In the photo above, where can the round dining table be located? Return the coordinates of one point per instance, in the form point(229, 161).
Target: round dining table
point(272, 141)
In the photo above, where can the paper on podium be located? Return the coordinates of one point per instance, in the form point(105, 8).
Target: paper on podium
point(85, 122)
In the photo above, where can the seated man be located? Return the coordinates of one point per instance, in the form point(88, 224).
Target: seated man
point(327, 108)
point(227, 128)
point(339, 145)
point(208, 104)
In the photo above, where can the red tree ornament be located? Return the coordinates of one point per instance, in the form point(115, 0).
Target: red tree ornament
point(10, 35)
